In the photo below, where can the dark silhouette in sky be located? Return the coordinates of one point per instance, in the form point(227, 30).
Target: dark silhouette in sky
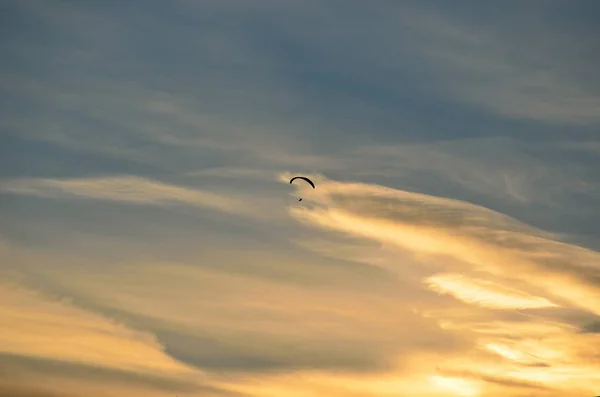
point(303, 178)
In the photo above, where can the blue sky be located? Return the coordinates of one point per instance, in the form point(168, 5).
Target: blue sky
point(150, 241)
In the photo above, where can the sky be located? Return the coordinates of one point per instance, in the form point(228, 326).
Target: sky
point(152, 245)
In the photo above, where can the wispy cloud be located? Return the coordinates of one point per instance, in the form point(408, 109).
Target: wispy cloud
point(485, 293)
point(283, 324)
point(127, 189)
point(56, 339)
point(524, 268)
point(481, 239)
point(454, 152)
point(494, 68)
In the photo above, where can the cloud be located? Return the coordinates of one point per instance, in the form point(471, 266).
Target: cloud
point(502, 168)
point(484, 292)
point(277, 320)
point(494, 69)
point(68, 350)
point(21, 366)
point(480, 239)
point(233, 172)
point(252, 327)
point(376, 291)
point(503, 264)
point(126, 189)
point(22, 316)
point(591, 327)
point(282, 323)
point(230, 325)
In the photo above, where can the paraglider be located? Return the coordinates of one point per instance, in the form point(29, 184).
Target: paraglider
point(305, 179)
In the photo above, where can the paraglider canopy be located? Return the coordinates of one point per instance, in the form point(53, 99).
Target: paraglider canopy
point(305, 179)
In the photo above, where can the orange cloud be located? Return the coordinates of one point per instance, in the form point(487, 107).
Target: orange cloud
point(471, 312)
point(485, 293)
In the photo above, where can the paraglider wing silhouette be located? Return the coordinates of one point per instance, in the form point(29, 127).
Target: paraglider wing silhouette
point(305, 179)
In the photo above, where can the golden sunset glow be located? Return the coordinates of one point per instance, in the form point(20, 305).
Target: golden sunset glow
point(299, 199)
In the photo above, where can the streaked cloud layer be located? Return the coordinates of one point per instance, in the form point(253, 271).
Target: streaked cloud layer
point(151, 243)
point(127, 189)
